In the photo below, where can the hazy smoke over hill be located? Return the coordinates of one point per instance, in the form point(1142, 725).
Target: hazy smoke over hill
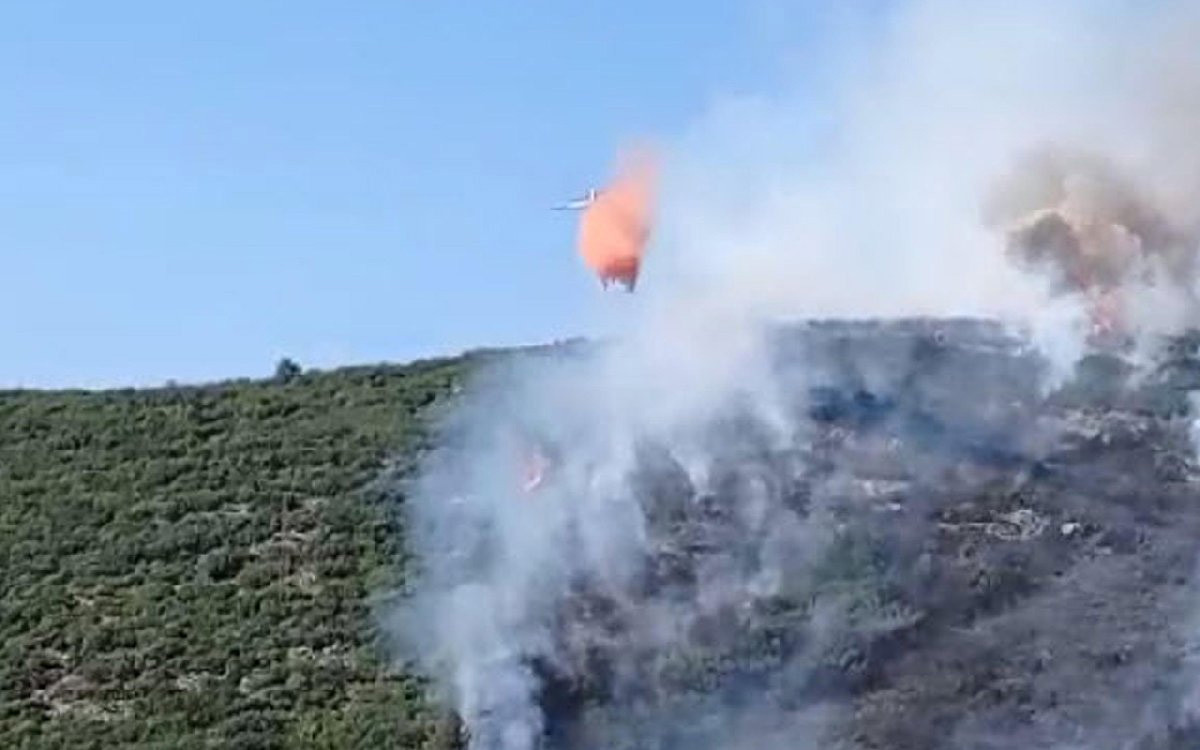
point(722, 532)
point(934, 143)
point(1075, 219)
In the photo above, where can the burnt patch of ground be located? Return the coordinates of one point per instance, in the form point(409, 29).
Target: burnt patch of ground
point(947, 557)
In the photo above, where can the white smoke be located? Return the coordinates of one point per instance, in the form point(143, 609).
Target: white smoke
point(886, 218)
point(501, 562)
point(894, 212)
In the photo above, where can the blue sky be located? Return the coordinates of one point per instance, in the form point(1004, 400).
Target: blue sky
point(191, 190)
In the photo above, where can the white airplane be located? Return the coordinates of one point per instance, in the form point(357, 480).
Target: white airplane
point(579, 203)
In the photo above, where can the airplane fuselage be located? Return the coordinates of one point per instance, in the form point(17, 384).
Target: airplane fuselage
point(580, 203)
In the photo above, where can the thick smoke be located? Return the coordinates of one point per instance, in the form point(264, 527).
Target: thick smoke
point(1098, 237)
point(721, 531)
point(522, 586)
point(910, 177)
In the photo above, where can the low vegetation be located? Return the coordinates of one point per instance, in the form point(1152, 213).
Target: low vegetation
point(191, 567)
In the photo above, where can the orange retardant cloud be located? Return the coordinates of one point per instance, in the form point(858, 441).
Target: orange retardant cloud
point(614, 230)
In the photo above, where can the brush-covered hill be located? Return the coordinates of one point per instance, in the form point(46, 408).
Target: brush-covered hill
point(989, 565)
point(192, 567)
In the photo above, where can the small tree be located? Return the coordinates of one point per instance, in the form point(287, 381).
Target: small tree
point(287, 370)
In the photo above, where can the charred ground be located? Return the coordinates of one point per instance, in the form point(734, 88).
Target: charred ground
point(986, 563)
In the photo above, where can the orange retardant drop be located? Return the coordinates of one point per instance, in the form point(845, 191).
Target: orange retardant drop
point(615, 227)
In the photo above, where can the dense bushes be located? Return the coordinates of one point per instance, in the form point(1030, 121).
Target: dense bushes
point(188, 567)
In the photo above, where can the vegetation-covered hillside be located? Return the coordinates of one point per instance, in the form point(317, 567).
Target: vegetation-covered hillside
point(961, 561)
point(191, 567)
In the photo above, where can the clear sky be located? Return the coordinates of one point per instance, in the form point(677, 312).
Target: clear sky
point(190, 191)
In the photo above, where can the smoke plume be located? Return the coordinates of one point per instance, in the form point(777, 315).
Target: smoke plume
point(724, 529)
point(1095, 235)
point(927, 168)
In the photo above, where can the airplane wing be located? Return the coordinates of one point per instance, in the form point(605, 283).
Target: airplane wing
point(579, 203)
point(576, 205)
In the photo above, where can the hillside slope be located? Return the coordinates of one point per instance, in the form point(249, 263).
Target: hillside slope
point(958, 561)
point(910, 544)
point(190, 567)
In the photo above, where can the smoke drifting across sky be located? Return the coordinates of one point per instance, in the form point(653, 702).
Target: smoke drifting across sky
point(874, 192)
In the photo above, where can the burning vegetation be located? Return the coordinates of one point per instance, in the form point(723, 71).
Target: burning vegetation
point(1094, 234)
point(914, 546)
